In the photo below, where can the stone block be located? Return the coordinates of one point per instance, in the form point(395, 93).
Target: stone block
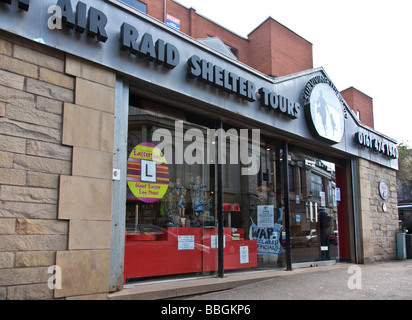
point(12, 144)
point(32, 115)
point(94, 95)
point(37, 291)
point(89, 234)
point(88, 128)
point(85, 198)
point(364, 204)
point(98, 296)
point(7, 226)
point(6, 260)
point(16, 97)
point(28, 194)
point(365, 188)
point(36, 226)
point(16, 276)
point(56, 78)
point(2, 109)
point(49, 90)
point(83, 272)
point(29, 130)
point(43, 180)
point(363, 162)
point(89, 71)
point(28, 210)
point(11, 80)
point(49, 105)
point(6, 160)
point(6, 47)
point(33, 242)
point(35, 259)
point(12, 176)
point(40, 164)
point(18, 66)
point(38, 58)
point(48, 150)
point(92, 163)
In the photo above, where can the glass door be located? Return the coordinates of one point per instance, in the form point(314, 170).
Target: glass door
point(253, 204)
point(313, 208)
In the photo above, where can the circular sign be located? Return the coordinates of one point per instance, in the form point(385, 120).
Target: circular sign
point(147, 173)
point(326, 115)
point(383, 189)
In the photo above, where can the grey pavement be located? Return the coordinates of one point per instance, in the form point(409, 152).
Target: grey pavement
point(378, 281)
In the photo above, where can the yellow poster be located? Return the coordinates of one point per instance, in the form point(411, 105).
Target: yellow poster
point(147, 173)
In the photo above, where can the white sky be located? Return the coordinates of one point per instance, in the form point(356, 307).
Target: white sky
point(366, 44)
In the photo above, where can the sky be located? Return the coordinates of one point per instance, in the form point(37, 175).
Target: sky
point(366, 44)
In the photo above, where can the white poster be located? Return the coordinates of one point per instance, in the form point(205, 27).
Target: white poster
point(186, 242)
point(267, 239)
point(322, 198)
point(337, 194)
point(244, 254)
point(266, 216)
point(214, 241)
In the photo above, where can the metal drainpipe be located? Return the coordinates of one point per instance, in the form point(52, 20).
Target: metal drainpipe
point(220, 269)
point(356, 218)
point(164, 11)
point(287, 207)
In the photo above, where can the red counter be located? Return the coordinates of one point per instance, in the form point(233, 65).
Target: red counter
point(185, 250)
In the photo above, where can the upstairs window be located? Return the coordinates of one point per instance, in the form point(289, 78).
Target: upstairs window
point(136, 4)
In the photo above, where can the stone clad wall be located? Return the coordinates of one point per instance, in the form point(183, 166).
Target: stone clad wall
point(56, 160)
point(85, 197)
point(33, 89)
point(378, 227)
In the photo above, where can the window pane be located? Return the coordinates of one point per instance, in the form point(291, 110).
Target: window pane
point(129, 2)
point(140, 6)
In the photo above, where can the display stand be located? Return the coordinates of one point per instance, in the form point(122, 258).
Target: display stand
point(230, 207)
point(186, 250)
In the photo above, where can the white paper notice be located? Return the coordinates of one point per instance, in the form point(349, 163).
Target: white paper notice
point(244, 254)
point(266, 216)
point(214, 241)
point(186, 242)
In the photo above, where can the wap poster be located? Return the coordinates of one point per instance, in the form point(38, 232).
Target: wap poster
point(267, 232)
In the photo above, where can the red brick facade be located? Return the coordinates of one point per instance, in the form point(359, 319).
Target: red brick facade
point(270, 48)
point(361, 104)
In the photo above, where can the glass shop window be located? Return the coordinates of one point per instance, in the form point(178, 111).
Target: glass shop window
point(171, 216)
point(253, 205)
point(170, 208)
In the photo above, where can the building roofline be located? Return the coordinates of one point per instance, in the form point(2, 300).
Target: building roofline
point(270, 18)
point(214, 22)
point(352, 87)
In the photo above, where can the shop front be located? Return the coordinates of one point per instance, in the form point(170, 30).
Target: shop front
point(188, 163)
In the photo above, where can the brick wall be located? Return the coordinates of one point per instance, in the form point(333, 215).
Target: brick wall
point(56, 155)
point(277, 50)
point(359, 101)
point(378, 227)
point(271, 48)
